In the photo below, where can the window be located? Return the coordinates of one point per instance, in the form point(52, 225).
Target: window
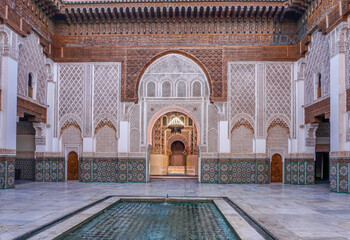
point(181, 89)
point(190, 122)
point(30, 85)
point(166, 89)
point(319, 91)
point(151, 89)
point(182, 119)
point(197, 89)
point(164, 121)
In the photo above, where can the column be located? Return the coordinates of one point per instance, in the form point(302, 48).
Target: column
point(8, 113)
point(340, 152)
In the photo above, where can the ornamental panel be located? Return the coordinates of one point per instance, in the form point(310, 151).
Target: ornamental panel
point(317, 62)
point(278, 89)
point(241, 89)
point(32, 60)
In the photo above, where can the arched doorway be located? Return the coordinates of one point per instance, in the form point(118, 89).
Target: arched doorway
point(72, 166)
point(177, 158)
point(174, 152)
point(276, 168)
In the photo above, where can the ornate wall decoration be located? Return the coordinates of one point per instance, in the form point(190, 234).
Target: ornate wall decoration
point(241, 81)
point(72, 136)
point(277, 140)
point(310, 138)
point(242, 140)
point(76, 96)
point(71, 90)
point(106, 92)
point(32, 60)
point(278, 89)
point(139, 58)
point(49, 169)
point(242, 135)
point(213, 135)
point(347, 57)
point(240, 171)
point(317, 62)
point(135, 136)
point(106, 139)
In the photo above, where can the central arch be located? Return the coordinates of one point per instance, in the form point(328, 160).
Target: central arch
point(173, 152)
point(166, 110)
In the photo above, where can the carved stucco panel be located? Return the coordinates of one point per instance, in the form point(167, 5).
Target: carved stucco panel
point(32, 60)
point(317, 62)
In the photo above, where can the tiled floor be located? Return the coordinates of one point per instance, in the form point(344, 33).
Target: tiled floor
point(288, 211)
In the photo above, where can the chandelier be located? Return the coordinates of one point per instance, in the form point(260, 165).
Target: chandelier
point(176, 125)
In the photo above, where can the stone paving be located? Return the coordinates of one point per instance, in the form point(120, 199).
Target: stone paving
point(288, 211)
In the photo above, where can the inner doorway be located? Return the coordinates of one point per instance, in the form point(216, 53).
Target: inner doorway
point(72, 166)
point(276, 168)
point(174, 151)
point(177, 159)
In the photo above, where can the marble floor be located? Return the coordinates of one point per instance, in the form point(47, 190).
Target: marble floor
point(288, 211)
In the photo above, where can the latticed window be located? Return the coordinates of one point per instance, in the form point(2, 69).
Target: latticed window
point(166, 89)
point(319, 91)
point(151, 89)
point(30, 85)
point(181, 89)
point(197, 89)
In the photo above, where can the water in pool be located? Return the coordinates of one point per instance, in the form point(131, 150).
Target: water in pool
point(155, 220)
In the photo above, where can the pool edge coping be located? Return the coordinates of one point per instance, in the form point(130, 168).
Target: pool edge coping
point(62, 225)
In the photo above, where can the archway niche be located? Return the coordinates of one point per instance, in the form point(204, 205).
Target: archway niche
point(174, 153)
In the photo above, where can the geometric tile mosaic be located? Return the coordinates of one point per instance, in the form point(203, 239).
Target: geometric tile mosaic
point(299, 171)
point(112, 170)
point(235, 170)
point(7, 173)
point(340, 175)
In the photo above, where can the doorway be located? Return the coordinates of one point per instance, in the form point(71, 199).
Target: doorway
point(72, 166)
point(177, 159)
point(322, 167)
point(174, 151)
point(276, 168)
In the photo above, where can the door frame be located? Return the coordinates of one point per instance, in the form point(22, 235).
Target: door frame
point(67, 150)
point(282, 157)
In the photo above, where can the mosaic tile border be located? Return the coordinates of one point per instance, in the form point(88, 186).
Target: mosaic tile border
point(119, 170)
point(340, 175)
point(299, 171)
point(26, 167)
point(227, 171)
point(7, 172)
point(50, 169)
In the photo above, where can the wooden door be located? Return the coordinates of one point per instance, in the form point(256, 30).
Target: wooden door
point(276, 168)
point(72, 166)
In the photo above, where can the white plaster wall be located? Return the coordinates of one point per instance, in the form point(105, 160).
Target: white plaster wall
point(9, 103)
point(123, 137)
point(224, 141)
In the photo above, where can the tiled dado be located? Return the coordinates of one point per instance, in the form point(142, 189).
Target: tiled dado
point(26, 168)
point(340, 174)
point(7, 172)
point(299, 171)
point(112, 170)
point(49, 169)
point(235, 170)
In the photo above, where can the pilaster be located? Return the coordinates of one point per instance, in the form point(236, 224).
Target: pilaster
point(8, 112)
point(340, 151)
